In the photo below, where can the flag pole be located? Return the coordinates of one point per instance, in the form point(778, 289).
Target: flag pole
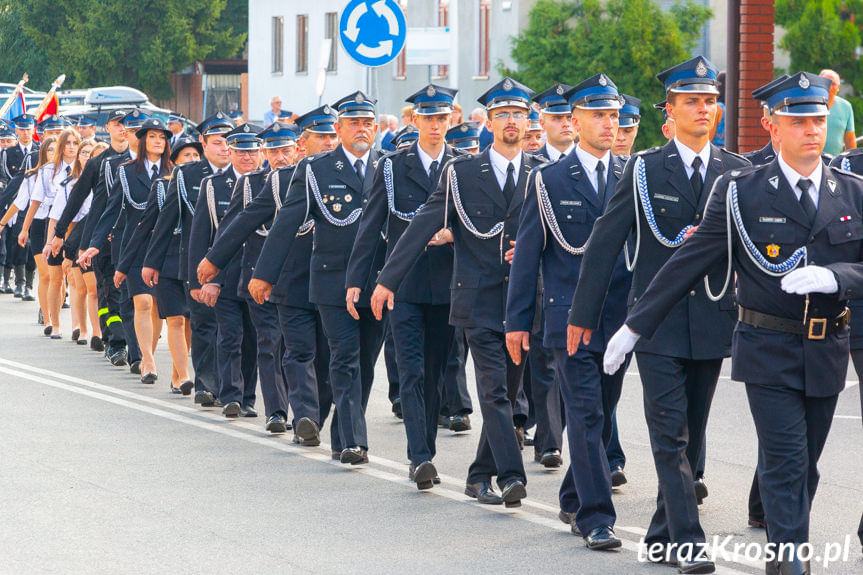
point(5, 109)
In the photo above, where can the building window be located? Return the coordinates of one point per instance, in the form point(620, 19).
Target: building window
point(302, 43)
point(484, 38)
point(332, 33)
point(443, 22)
point(401, 66)
point(278, 44)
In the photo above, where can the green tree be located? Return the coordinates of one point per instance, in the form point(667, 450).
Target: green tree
point(20, 55)
point(629, 40)
point(822, 34)
point(97, 43)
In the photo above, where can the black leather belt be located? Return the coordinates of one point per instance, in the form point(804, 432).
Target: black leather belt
point(813, 328)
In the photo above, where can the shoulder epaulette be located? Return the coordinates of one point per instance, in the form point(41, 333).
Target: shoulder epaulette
point(734, 154)
point(652, 150)
point(745, 170)
point(846, 172)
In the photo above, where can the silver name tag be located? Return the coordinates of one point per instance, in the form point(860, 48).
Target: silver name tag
point(337, 186)
point(664, 197)
point(766, 220)
point(570, 203)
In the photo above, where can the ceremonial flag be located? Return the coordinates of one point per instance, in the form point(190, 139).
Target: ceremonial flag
point(18, 107)
point(50, 108)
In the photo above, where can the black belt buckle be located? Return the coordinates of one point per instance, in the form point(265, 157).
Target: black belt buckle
point(817, 328)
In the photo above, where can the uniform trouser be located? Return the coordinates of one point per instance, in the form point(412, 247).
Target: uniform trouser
point(677, 397)
point(586, 488)
point(391, 365)
point(5, 252)
point(204, 333)
point(127, 314)
point(498, 381)
point(354, 349)
point(857, 358)
point(792, 430)
point(237, 355)
point(422, 337)
point(545, 390)
point(109, 303)
point(306, 366)
point(614, 451)
point(455, 399)
point(15, 254)
point(265, 318)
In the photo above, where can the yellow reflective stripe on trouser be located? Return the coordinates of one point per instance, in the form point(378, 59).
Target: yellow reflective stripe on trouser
point(112, 319)
point(102, 311)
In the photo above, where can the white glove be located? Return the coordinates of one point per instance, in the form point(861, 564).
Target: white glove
point(811, 279)
point(618, 346)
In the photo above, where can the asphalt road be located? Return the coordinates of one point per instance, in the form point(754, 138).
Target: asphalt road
point(100, 474)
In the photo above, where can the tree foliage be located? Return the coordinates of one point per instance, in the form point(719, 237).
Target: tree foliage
point(629, 40)
point(104, 42)
point(822, 34)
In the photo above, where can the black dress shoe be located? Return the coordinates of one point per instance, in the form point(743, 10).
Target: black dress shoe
point(56, 336)
point(336, 455)
point(96, 344)
point(551, 458)
point(528, 440)
point(444, 421)
point(307, 432)
point(149, 378)
point(565, 516)
point(423, 475)
point(602, 539)
point(483, 492)
point(700, 491)
point(204, 398)
point(354, 455)
point(397, 409)
point(460, 423)
point(794, 567)
point(249, 411)
point(519, 436)
point(27, 296)
point(76, 333)
point(513, 493)
point(618, 477)
point(756, 523)
point(82, 341)
point(175, 390)
point(186, 387)
point(276, 423)
point(232, 409)
point(135, 367)
point(117, 357)
point(48, 329)
point(695, 567)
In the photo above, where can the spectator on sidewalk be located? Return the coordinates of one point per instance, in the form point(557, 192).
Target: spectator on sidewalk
point(840, 122)
point(273, 113)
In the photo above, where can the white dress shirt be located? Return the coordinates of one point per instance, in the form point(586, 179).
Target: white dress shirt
point(589, 163)
point(427, 160)
point(353, 159)
point(793, 176)
point(500, 165)
point(554, 153)
point(687, 155)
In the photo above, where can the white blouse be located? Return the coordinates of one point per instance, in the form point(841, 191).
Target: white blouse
point(47, 185)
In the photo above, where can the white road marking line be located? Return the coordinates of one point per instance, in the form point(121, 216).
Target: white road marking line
point(106, 393)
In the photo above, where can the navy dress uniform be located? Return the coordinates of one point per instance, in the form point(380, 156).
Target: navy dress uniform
point(306, 357)
point(182, 196)
point(264, 316)
point(483, 215)
point(403, 181)
point(680, 364)
point(332, 190)
point(560, 209)
point(169, 292)
point(852, 161)
point(790, 350)
point(236, 342)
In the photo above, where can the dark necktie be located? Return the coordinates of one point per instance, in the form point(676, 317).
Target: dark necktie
point(433, 171)
point(509, 186)
point(154, 172)
point(220, 171)
point(600, 182)
point(806, 200)
point(68, 170)
point(695, 180)
point(358, 167)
